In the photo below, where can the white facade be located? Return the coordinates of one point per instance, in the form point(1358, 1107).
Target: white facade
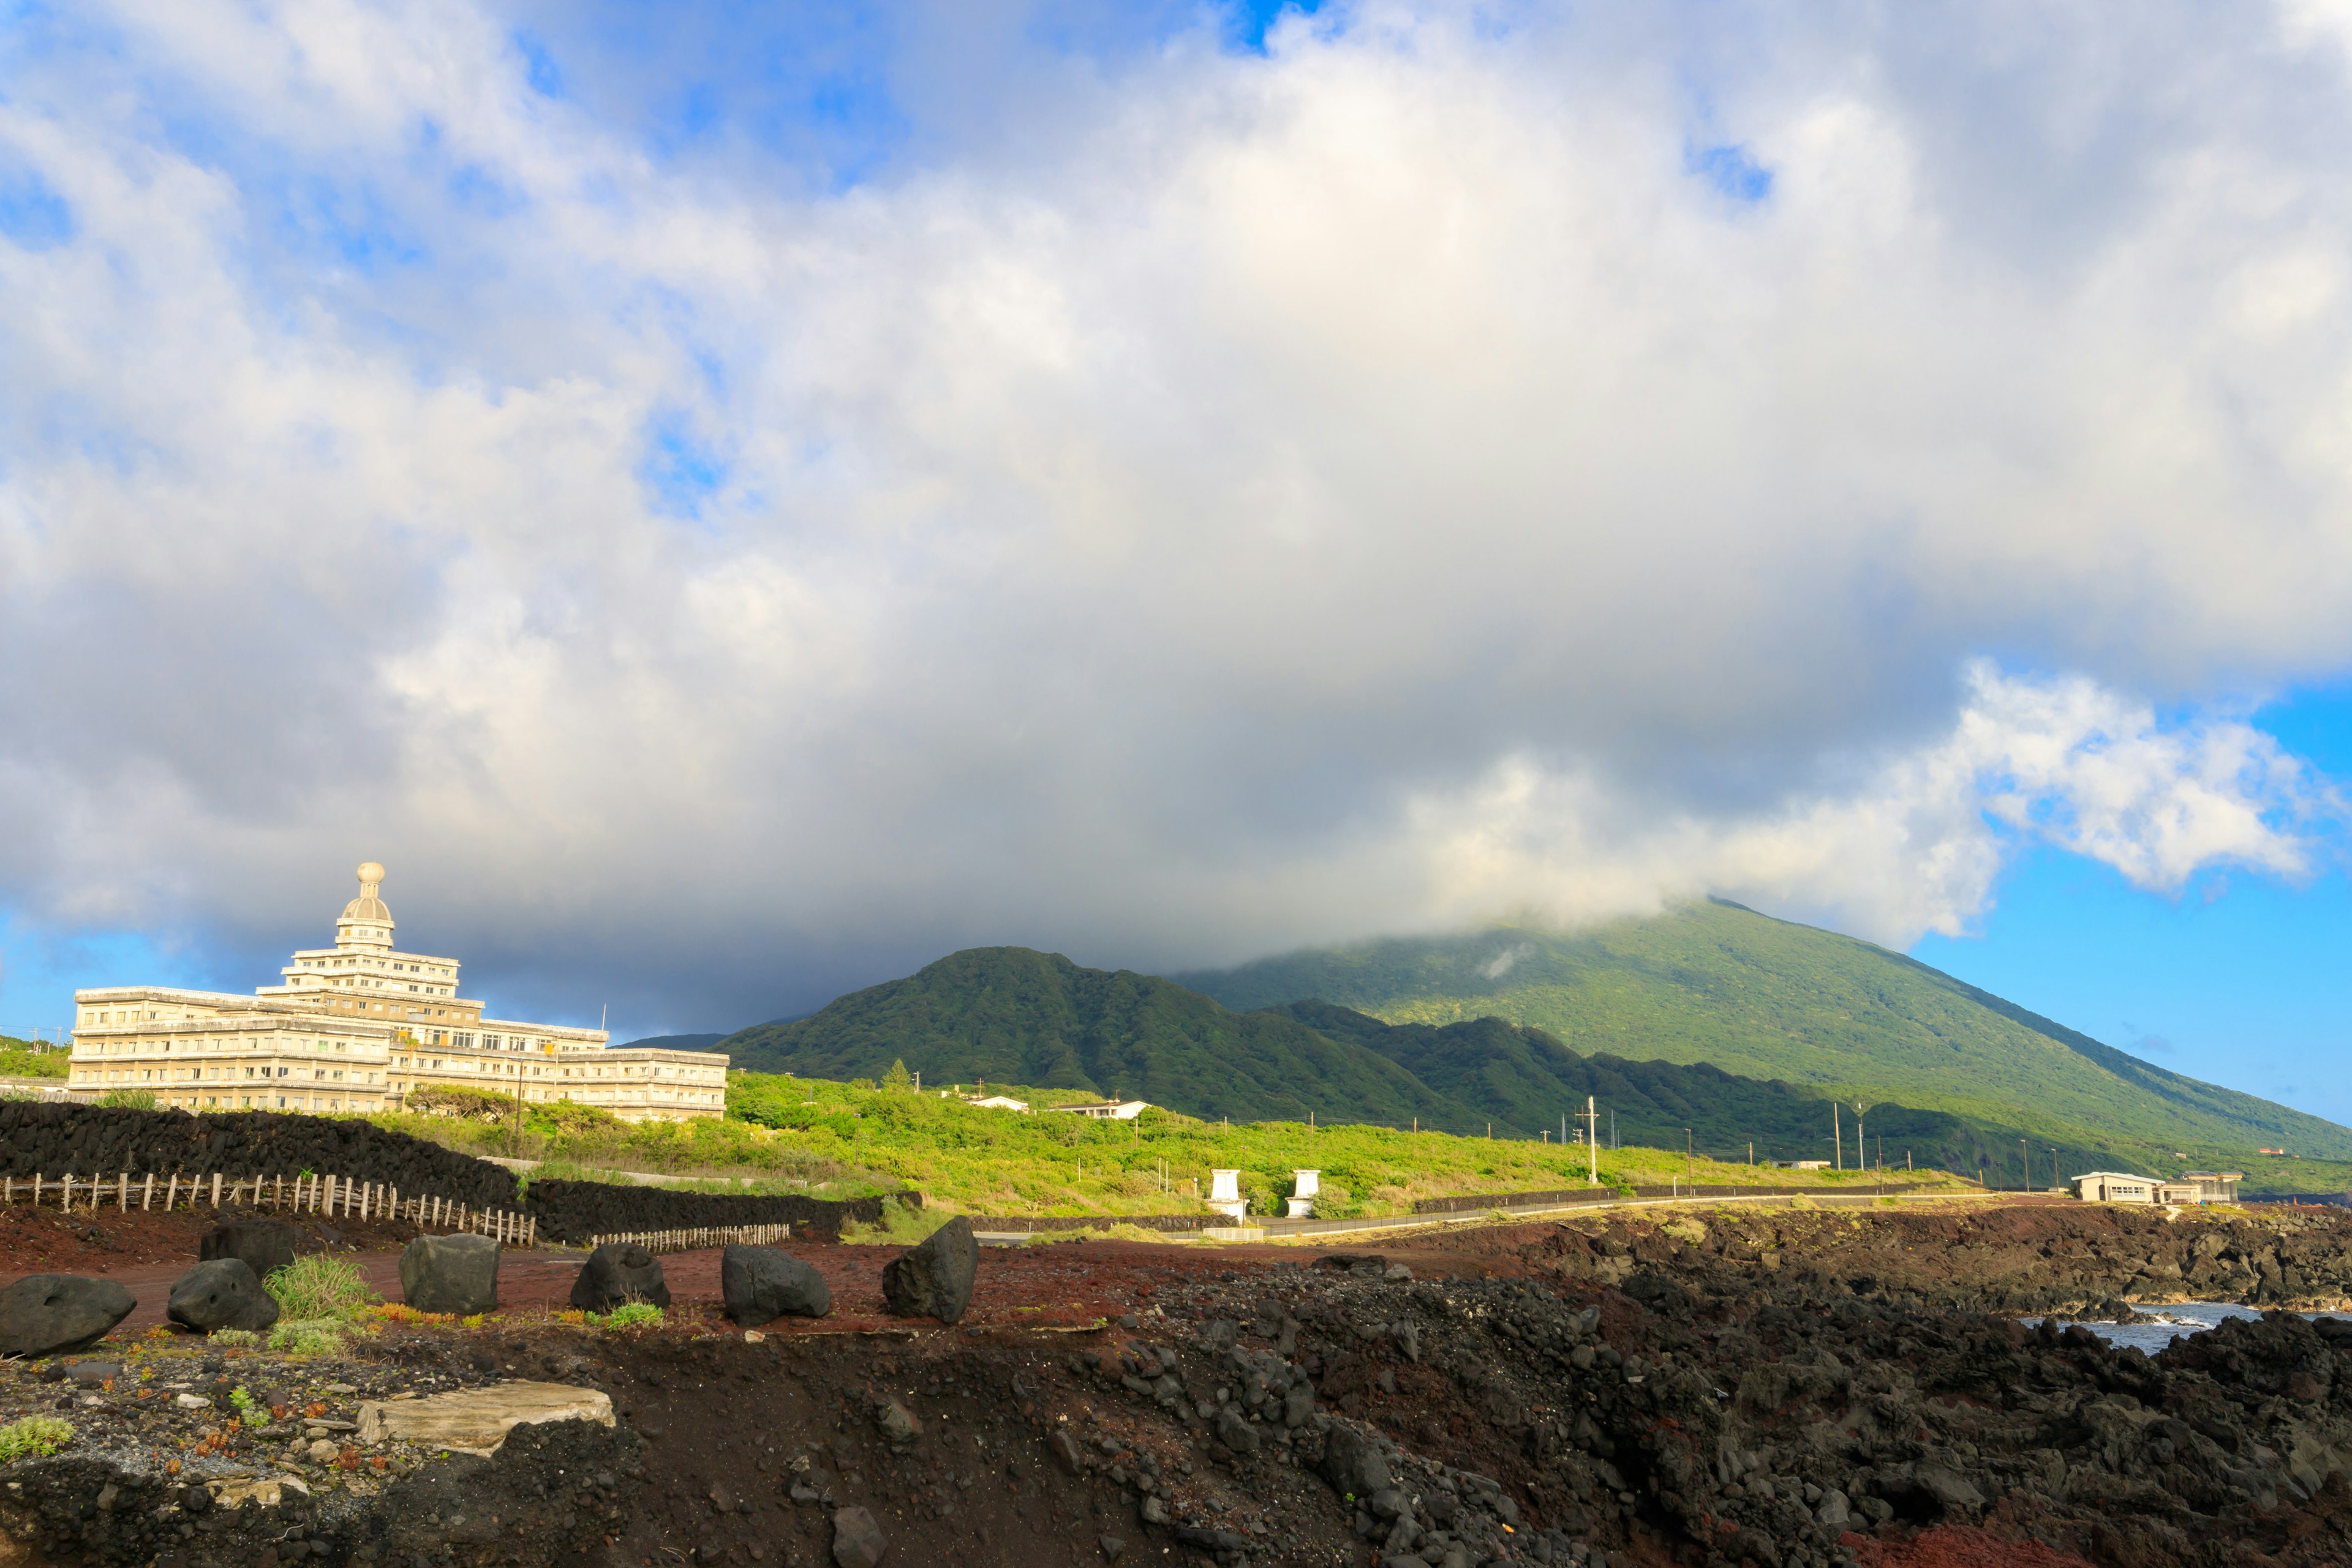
point(2115, 1187)
point(1106, 1110)
point(359, 1026)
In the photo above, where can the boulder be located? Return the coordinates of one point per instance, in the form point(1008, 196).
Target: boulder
point(762, 1284)
point(44, 1313)
point(617, 1273)
point(934, 1280)
point(261, 1245)
point(225, 1293)
point(1235, 1431)
point(856, 1539)
point(1352, 1466)
point(451, 1274)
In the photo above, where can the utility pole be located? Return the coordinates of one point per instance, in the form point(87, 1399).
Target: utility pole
point(1592, 1143)
point(2027, 1156)
point(1837, 1136)
point(1689, 1150)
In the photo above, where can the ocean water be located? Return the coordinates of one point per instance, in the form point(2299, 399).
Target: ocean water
point(2181, 1318)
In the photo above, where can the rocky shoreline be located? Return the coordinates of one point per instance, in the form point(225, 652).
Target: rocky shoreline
point(1780, 1387)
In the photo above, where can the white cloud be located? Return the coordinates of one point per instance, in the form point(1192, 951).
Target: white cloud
point(1237, 502)
point(1911, 845)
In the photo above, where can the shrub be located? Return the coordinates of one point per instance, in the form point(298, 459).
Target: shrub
point(34, 1437)
point(457, 1099)
point(234, 1337)
point(902, 1224)
point(315, 1336)
point(129, 1098)
point(316, 1286)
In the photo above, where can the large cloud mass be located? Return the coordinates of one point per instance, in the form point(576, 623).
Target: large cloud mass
point(1179, 503)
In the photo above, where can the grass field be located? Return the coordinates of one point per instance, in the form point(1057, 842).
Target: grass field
point(838, 1140)
point(1004, 1163)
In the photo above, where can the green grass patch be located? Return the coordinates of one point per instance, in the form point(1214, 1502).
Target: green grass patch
point(317, 1287)
point(630, 1315)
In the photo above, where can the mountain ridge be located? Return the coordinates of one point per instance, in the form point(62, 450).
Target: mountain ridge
point(1763, 998)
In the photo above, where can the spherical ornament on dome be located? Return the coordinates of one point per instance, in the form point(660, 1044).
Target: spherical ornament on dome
point(371, 872)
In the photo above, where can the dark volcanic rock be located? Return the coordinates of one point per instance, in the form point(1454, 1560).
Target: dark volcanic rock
point(857, 1541)
point(762, 1284)
point(934, 1280)
point(261, 1245)
point(1352, 1466)
point(224, 1293)
point(44, 1313)
point(616, 1273)
point(451, 1274)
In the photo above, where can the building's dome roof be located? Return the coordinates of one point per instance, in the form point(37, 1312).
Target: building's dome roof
point(368, 906)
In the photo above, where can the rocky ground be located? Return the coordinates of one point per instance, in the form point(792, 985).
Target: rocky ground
point(1774, 1386)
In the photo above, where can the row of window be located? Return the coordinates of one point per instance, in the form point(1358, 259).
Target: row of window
point(215, 1043)
point(199, 1074)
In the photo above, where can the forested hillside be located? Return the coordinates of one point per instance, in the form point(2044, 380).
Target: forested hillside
point(1771, 999)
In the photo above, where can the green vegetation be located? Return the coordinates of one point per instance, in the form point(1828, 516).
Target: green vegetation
point(1769, 999)
point(317, 1336)
point(34, 1437)
point(129, 1098)
point(628, 1316)
point(233, 1337)
point(1007, 1015)
point(23, 1058)
point(968, 1160)
point(318, 1285)
point(903, 1225)
point(462, 1100)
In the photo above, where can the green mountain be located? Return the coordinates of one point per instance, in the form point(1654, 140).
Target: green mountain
point(1009, 1014)
point(1766, 999)
point(1525, 1078)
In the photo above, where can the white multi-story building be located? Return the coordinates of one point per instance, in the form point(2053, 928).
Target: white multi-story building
point(359, 1027)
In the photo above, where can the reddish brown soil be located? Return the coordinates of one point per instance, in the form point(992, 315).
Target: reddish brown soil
point(1959, 1546)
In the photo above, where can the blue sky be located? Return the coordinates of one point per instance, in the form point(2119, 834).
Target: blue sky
point(729, 504)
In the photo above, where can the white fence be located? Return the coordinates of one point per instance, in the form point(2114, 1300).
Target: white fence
point(322, 1195)
point(694, 1239)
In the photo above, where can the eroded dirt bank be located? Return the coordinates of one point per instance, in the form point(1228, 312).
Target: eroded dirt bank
point(1781, 1388)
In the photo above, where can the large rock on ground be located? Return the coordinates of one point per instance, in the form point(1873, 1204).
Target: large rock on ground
point(451, 1274)
point(934, 1280)
point(261, 1245)
point(225, 1293)
point(1352, 1466)
point(44, 1313)
point(857, 1541)
point(617, 1273)
point(764, 1283)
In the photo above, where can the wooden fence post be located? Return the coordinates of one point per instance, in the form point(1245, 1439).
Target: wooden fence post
point(215, 1189)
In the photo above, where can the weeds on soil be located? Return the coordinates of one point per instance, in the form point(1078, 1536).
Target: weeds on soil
point(315, 1336)
point(316, 1287)
point(628, 1316)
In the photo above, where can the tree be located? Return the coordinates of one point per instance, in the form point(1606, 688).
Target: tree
point(899, 1077)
